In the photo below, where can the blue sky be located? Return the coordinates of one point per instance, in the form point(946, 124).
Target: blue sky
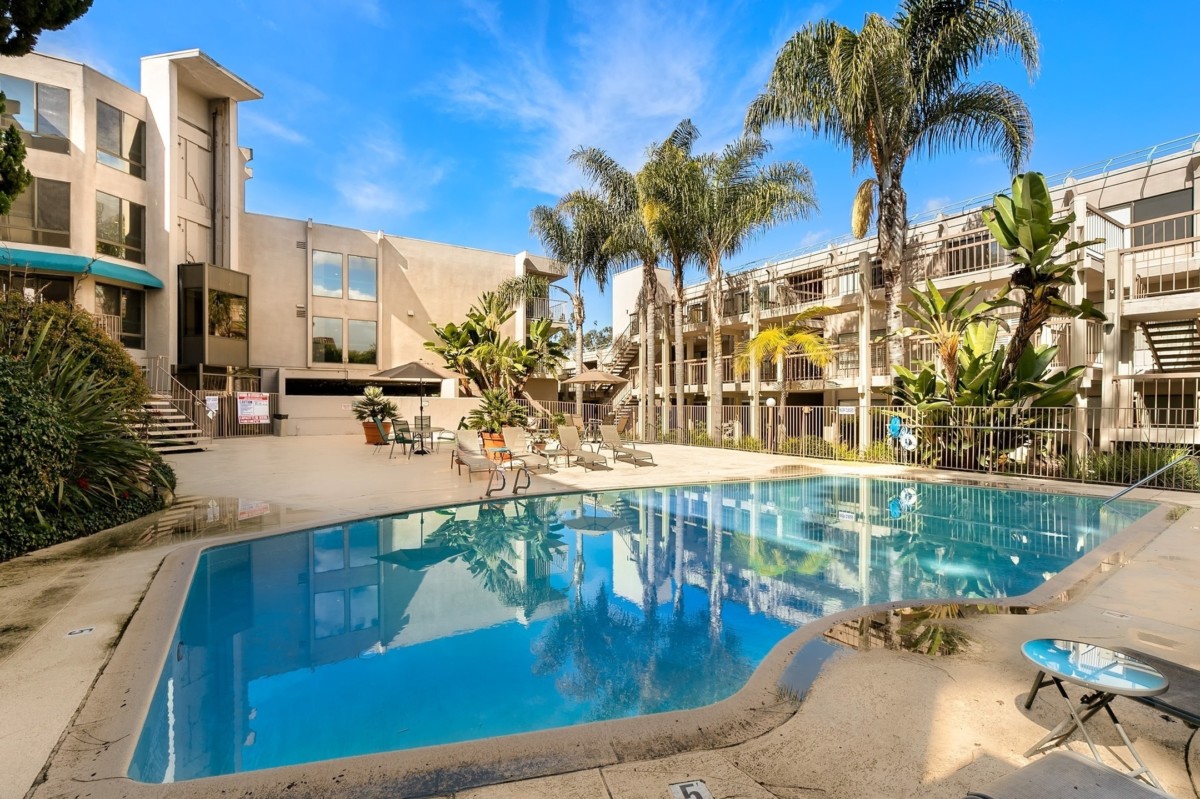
point(449, 119)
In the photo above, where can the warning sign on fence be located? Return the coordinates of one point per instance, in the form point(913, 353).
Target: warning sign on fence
point(253, 408)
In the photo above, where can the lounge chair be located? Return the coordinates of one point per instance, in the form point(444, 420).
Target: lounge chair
point(1066, 775)
point(518, 447)
point(611, 439)
point(469, 453)
point(568, 441)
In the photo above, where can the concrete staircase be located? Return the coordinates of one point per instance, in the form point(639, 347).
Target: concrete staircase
point(1174, 344)
point(169, 430)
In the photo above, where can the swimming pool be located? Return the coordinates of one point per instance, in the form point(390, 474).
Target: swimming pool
point(489, 619)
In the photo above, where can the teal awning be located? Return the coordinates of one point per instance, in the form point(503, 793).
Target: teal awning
point(75, 265)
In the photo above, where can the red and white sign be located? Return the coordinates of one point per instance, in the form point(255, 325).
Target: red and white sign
point(253, 407)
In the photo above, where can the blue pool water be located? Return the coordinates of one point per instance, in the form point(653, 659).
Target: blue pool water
point(540, 612)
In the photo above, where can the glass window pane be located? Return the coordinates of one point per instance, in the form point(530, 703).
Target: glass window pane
point(362, 341)
point(328, 549)
point(108, 300)
point(134, 137)
point(329, 613)
point(364, 607)
point(53, 105)
point(327, 274)
point(133, 313)
point(21, 213)
point(19, 104)
point(327, 340)
point(135, 227)
point(228, 316)
point(364, 543)
point(108, 128)
point(362, 278)
point(108, 221)
point(53, 204)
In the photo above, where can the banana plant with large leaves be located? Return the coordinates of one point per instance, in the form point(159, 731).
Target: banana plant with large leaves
point(1024, 224)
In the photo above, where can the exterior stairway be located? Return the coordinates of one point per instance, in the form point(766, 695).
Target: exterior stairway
point(1174, 344)
point(169, 430)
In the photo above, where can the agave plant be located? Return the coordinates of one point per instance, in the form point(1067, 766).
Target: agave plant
point(373, 405)
point(497, 410)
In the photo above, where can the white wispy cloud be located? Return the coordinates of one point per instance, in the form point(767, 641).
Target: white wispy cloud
point(378, 179)
point(934, 203)
point(624, 80)
point(77, 43)
point(484, 15)
point(815, 237)
point(252, 121)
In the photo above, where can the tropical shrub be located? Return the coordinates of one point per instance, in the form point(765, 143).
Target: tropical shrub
point(71, 461)
point(373, 404)
point(72, 328)
point(1125, 466)
point(497, 410)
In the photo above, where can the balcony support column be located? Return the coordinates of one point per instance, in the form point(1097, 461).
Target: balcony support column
point(755, 312)
point(1110, 389)
point(1077, 344)
point(643, 406)
point(666, 362)
point(864, 352)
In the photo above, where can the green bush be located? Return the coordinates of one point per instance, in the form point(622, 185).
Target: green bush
point(810, 447)
point(879, 452)
point(746, 444)
point(36, 444)
point(71, 461)
point(1129, 465)
point(75, 329)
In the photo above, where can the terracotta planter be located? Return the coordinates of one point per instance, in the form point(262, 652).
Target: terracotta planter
point(493, 441)
point(372, 432)
point(539, 446)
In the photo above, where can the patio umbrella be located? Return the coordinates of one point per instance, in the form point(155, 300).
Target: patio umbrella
point(596, 376)
point(594, 522)
point(421, 372)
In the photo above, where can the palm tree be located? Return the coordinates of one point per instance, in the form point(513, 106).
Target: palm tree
point(574, 233)
point(897, 89)
point(777, 342)
point(741, 199)
point(669, 190)
point(629, 241)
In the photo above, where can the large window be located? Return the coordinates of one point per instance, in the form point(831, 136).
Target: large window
point(120, 140)
point(327, 274)
point(40, 215)
point(39, 288)
point(123, 309)
point(362, 341)
point(228, 315)
point(327, 340)
point(120, 228)
point(362, 278)
point(1145, 212)
point(40, 111)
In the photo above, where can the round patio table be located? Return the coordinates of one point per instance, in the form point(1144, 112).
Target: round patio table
point(1104, 672)
point(424, 433)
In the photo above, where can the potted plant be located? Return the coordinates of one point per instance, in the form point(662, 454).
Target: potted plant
point(371, 405)
point(496, 410)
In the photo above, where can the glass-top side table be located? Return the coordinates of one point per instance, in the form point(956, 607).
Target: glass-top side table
point(1104, 672)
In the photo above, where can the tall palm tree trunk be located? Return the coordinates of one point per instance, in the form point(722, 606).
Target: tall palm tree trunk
point(577, 311)
point(715, 372)
point(680, 366)
point(893, 232)
point(650, 292)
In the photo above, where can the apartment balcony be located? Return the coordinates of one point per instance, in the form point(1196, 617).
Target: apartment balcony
point(1159, 271)
point(557, 311)
point(111, 325)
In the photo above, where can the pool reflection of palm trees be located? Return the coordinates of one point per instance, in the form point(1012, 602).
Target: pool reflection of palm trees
point(508, 548)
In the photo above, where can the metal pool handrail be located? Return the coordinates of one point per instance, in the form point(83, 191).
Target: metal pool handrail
point(1145, 479)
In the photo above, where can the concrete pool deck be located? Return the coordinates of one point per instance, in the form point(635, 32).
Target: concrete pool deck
point(876, 723)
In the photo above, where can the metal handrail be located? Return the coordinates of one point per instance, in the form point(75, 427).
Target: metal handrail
point(1146, 479)
point(184, 400)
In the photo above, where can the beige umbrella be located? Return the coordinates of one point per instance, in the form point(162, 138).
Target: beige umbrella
point(595, 376)
point(421, 372)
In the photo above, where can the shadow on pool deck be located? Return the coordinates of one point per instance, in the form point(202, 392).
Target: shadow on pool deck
point(878, 723)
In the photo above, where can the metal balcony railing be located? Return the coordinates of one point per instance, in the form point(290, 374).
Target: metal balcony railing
point(545, 308)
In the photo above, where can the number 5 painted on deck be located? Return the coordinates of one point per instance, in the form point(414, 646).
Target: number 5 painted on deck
point(695, 789)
